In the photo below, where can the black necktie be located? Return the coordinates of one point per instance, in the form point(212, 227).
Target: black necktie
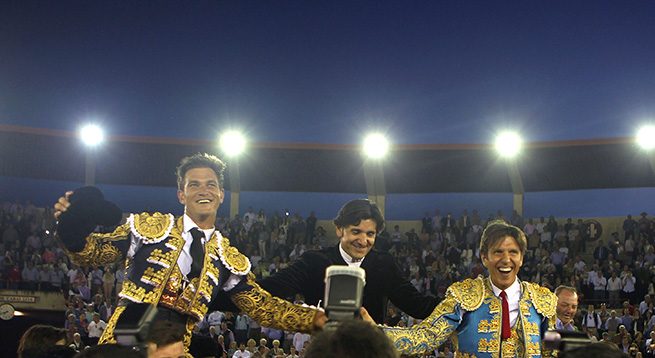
point(197, 253)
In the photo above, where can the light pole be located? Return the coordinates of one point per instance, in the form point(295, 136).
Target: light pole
point(375, 149)
point(233, 144)
point(92, 136)
point(646, 141)
point(508, 145)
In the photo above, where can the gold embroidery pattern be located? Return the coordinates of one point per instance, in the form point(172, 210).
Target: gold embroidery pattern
point(419, 339)
point(468, 293)
point(151, 228)
point(512, 346)
point(544, 301)
point(138, 294)
point(488, 345)
point(485, 326)
point(533, 349)
point(162, 259)
point(190, 323)
point(236, 262)
point(98, 250)
point(173, 286)
point(464, 355)
point(532, 329)
point(155, 277)
point(271, 311)
point(108, 334)
point(524, 306)
point(494, 306)
point(429, 334)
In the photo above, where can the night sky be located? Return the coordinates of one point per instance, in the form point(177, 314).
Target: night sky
point(326, 71)
point(329, 71)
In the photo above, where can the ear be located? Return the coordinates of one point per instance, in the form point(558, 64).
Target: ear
point(485, 260)
point(182, 198)
point(221, 196)
point(339, 232)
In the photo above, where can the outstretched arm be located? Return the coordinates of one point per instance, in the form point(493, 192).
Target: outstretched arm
point(429, 334)
point(275, 312)
point(79, 213)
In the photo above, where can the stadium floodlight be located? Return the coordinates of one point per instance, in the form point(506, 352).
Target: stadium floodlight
point(376, 146)
point(91, 135)
point(508, 144)
point(232, 143)
point(646, 137)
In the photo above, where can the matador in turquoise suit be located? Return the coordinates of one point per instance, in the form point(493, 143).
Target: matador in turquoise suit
point(497, 316)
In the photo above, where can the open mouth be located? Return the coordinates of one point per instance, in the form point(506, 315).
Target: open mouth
point(505, 269)
point(203, 201)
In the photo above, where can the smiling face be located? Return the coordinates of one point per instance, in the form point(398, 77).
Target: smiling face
point(503, 260)
point(357, 240)
point(201, 196)
point(567, 305)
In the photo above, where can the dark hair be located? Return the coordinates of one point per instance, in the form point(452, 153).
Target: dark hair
point(595, 350)
point(38, 340)
point(200, 160)
point(163, 333)
point(496, 231)
point(111, 351)
point(354, 211)
point(352, 338)
point(561, 288)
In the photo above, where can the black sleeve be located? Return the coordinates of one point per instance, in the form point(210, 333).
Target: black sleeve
point(300, 276)
point(404, 295)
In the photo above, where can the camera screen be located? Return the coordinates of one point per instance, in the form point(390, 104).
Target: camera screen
point(343, 291)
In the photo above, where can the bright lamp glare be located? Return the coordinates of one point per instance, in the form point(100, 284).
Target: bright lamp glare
point(646, 137)
point(508, 144)
point(376, 146)
point(232, 143)
point(91, 135)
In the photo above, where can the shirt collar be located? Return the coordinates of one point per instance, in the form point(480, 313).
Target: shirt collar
point(189, 224)
point(349, 260)
point(560, 325)
point(514, 290)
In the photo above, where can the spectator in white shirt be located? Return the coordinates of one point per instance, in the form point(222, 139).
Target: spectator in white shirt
point(629, 287)
point(614, 286)
point(95, 329)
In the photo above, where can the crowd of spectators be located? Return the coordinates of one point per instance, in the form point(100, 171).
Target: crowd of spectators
point(612, 275)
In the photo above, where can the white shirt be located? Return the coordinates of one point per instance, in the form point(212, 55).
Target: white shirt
point(614, 284)
point(299, 340)
point(96, 329)
point(629, 284)
point(241, 354)
point(349, 260)
point(513, 296)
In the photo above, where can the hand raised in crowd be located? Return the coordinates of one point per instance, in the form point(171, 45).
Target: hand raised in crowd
point(62, 204)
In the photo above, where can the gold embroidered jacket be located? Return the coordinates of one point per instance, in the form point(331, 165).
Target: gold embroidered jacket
point(153, 276)
point(471, 316)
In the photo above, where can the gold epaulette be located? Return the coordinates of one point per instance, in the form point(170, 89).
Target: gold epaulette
point(468, 293)
point(233, 260)
point(544, 301)
point(151, 228)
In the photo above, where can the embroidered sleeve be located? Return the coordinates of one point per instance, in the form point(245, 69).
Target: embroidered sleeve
point(102, 249)
point(429, 334)
point(271, 311)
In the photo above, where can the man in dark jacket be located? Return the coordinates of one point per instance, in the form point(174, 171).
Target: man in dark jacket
point(357, 225)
